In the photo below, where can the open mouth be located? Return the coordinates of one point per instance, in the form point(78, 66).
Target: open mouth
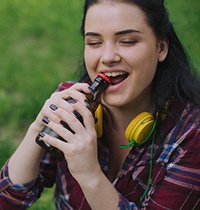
point(116, 77)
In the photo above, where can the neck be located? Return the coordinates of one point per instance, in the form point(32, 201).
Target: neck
point(120, 117)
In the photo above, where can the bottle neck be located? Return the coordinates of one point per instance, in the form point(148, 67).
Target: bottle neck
point(97, 88)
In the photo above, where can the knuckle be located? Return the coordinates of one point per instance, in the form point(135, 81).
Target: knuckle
point(60, 112)
point(72, 152)
point(89, 139)
point(53, 95)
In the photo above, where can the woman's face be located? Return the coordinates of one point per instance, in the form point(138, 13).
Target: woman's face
point(120, 43)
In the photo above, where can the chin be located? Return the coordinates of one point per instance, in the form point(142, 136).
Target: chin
point(110, 101)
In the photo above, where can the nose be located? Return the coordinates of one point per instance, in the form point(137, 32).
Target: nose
point(110, 55)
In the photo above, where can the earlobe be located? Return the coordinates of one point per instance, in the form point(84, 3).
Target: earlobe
point(163, 47)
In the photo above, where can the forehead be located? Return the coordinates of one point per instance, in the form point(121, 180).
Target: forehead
point(111, 15)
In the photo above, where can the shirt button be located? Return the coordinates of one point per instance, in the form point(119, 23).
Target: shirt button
point(137, 149)
point(120, 174)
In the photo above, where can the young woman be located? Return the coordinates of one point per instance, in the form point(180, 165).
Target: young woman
point(134, 44)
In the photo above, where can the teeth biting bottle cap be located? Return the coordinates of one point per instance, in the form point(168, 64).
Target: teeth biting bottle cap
point(105, 77)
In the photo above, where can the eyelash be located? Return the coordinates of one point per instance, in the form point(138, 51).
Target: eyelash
point(93, 43)
point(123, 42)
point(129, 42)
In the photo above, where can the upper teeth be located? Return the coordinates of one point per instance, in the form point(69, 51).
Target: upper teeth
point(114, 74)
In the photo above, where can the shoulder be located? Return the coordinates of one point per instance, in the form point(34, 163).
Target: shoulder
point(188, 123)
point(190, 126)
point(190, 120)
point(185, 135)
point(184, 118)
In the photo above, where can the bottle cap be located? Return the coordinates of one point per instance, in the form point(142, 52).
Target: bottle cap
point(104, 77)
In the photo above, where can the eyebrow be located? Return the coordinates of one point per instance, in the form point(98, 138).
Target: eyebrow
point(128, 31)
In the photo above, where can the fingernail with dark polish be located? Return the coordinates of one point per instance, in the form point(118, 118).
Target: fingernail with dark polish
point(41, 134)
point(87, 103)
point(46, 120)
point(66, 126)
point(53, 107)
point(71, 101)
point(78, 116)
point(90, 89)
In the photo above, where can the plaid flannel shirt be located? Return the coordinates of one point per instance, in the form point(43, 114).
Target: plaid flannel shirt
point(175, 181)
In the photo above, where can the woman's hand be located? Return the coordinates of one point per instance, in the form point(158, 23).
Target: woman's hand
point(80, 150)
point(59, 99)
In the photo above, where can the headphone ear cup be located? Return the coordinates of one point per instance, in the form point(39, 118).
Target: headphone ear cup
point(99, 124)
point(140, 127)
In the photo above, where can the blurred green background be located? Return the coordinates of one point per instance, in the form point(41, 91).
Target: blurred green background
point(40, 45)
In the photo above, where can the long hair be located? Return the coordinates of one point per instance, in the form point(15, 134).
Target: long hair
point(174, 76)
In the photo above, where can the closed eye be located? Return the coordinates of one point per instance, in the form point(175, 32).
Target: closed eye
point(128, 42)
point(93, 43)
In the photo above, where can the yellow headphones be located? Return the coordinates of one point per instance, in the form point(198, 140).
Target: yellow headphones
point(137, 132)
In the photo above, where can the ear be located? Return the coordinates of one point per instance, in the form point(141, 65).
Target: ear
point(163, 46)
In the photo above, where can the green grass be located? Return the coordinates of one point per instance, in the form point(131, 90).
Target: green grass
point(186, 18)
point(40, 45)
point(45, 202)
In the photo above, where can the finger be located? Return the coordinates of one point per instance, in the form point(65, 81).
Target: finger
point(70, 95)
point(70, 116)
point(64, 128)
point(86, 115)
point(50, 140)
point(81, 87)
point(52, 105)
point(76, 92)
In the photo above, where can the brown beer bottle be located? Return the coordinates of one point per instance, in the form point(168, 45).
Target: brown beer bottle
point(99, 85)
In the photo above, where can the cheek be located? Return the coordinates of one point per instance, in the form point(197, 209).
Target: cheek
point(143, 58)
point(143, 64)
point(91, 63)
point(90, 59)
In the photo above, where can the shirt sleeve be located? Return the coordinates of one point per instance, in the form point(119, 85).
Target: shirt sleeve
point(22, 196)
point(15, 196)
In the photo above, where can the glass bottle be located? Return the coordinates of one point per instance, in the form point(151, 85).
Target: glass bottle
point(99, 85)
